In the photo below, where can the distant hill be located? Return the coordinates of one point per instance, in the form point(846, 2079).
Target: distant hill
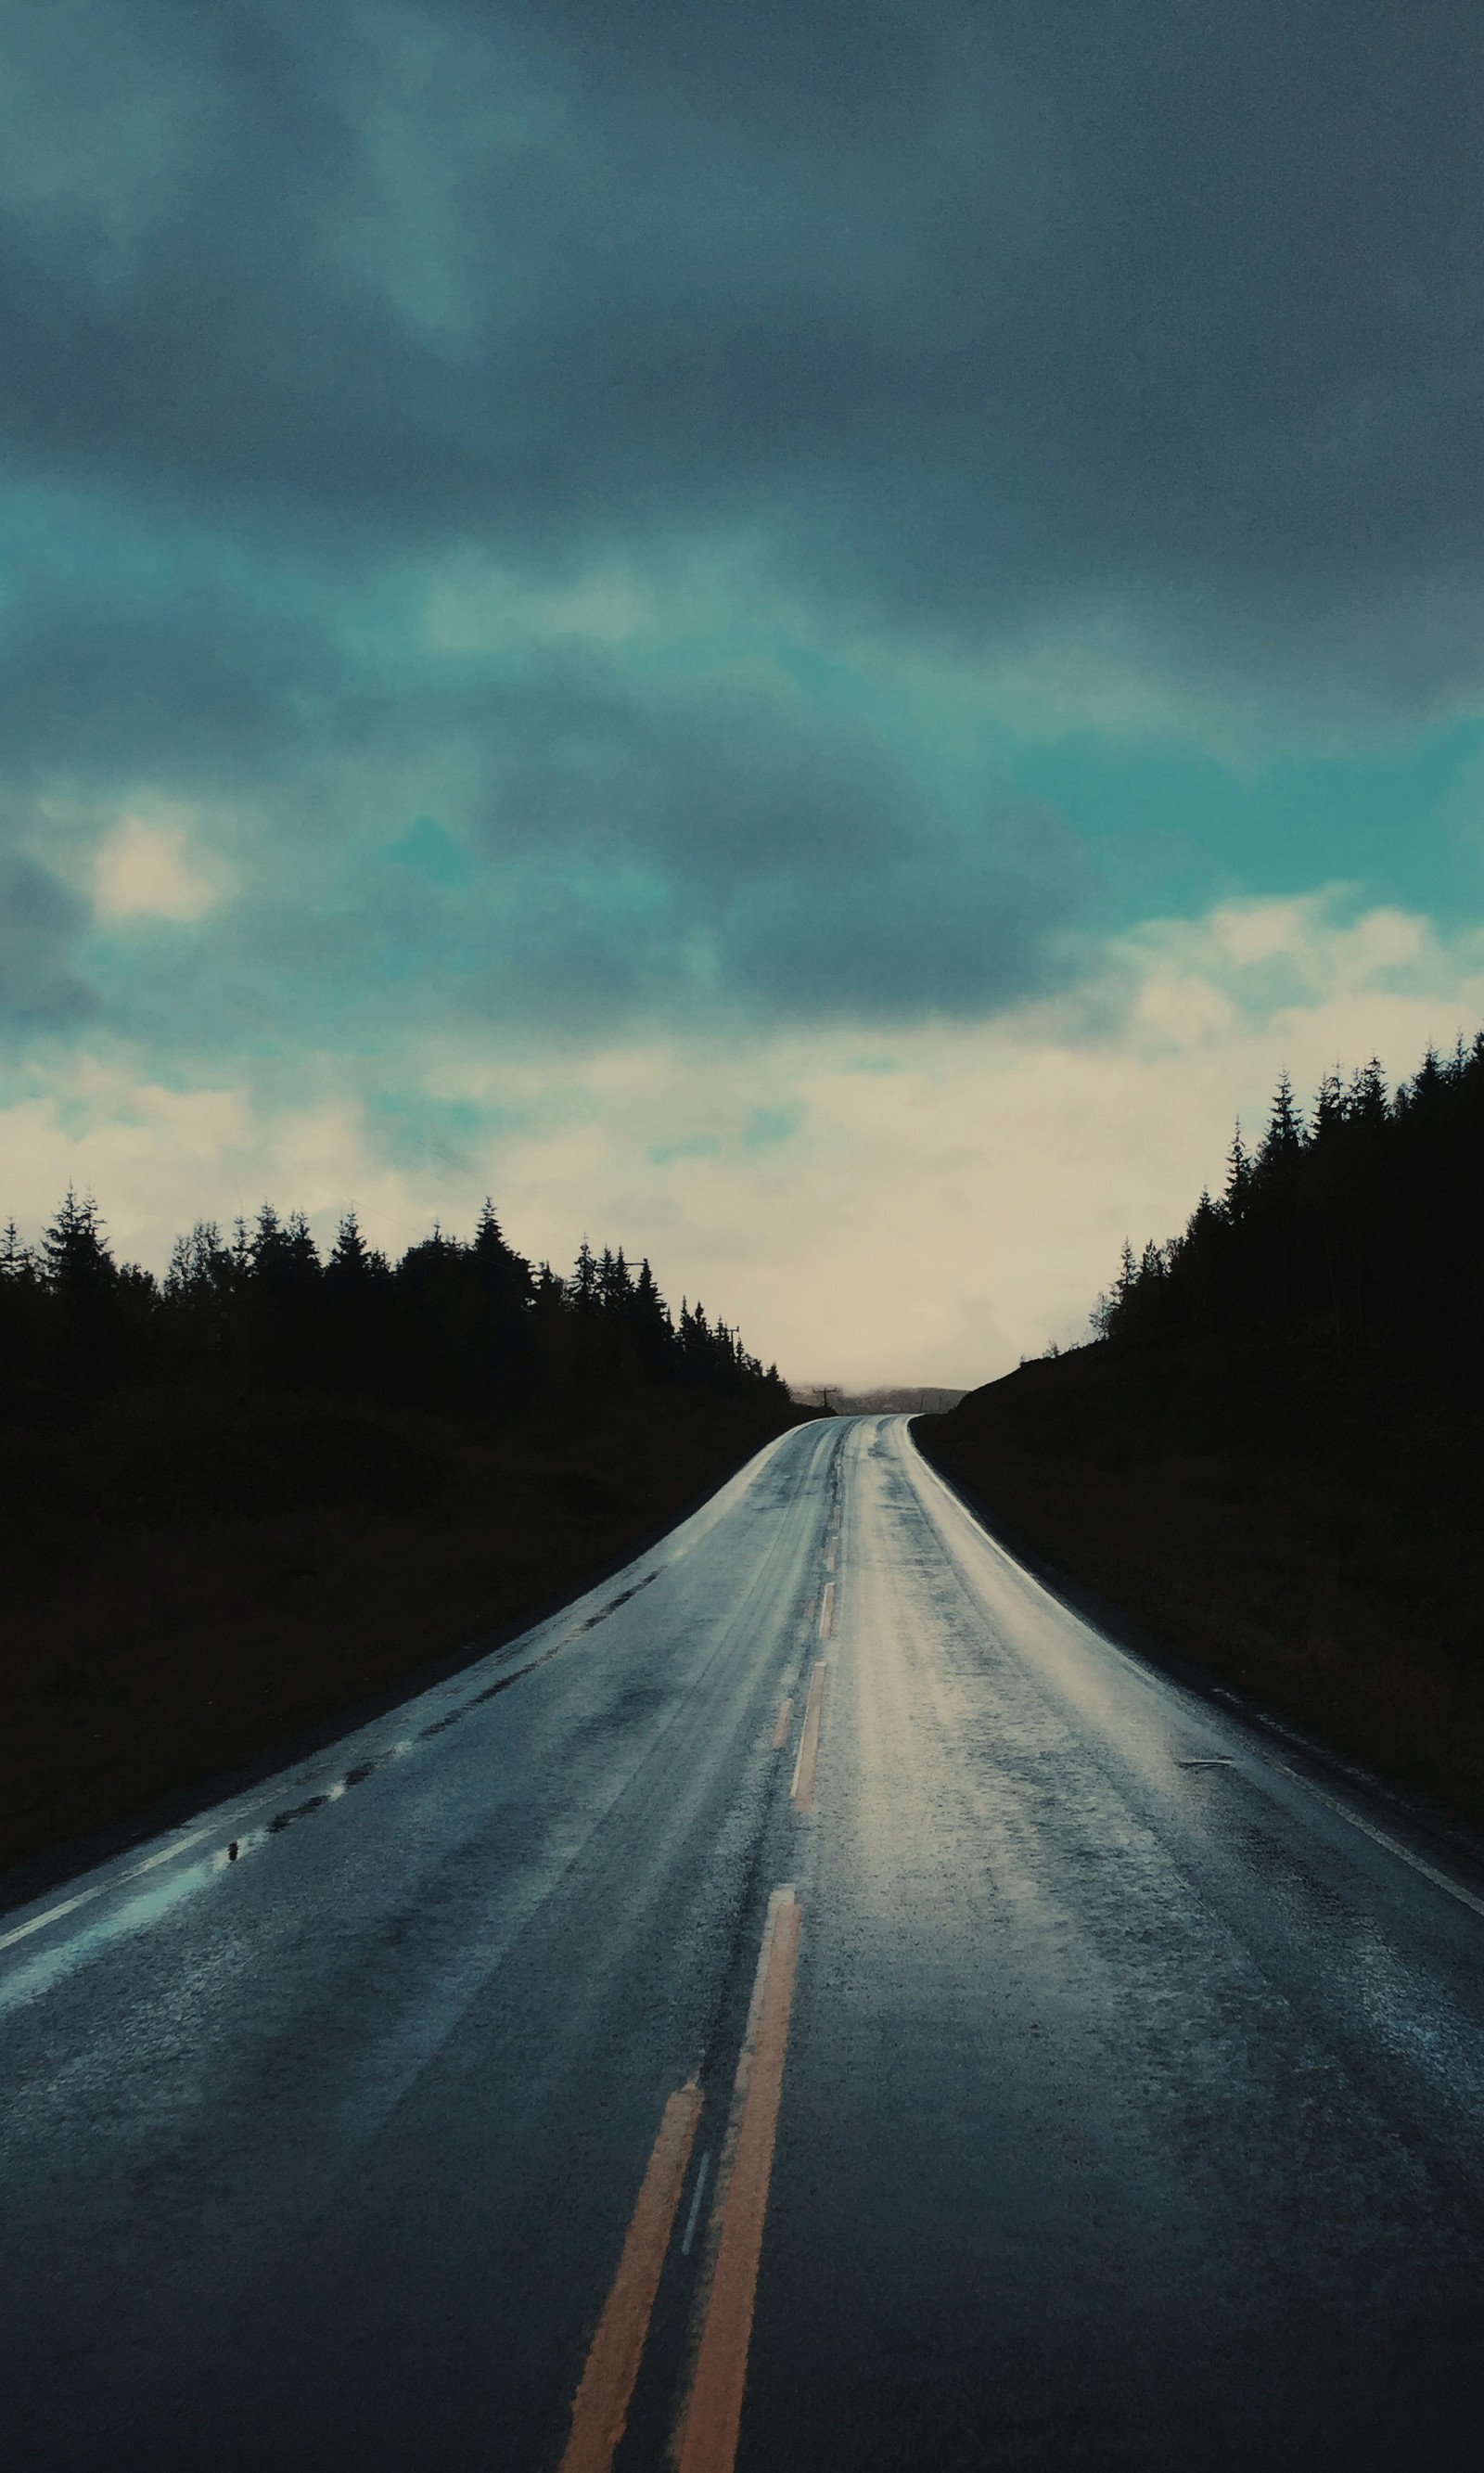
point(904, 1399)
point(1270, 1458)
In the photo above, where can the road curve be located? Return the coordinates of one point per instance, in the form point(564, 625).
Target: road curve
point(812, 2003)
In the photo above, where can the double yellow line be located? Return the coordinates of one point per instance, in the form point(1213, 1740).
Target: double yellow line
point(706, 2440)
point(600, 2408)
point(710, 2419)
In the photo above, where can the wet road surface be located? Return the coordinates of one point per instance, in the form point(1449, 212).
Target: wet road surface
point(813, 2003)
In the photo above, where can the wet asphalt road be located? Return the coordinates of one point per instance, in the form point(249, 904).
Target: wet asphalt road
point(1132, 2084)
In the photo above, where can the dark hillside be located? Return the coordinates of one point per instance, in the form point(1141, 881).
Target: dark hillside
point(1271, 1459)
point(236, 1506)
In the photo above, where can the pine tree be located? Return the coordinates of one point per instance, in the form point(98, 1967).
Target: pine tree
point(1329, 1108)
point(1285, 1136)
point(355, 1268)
point(17, 1262)
point(585, 1279)
point(75, 1250)
point(1366, 1104)
point(92, 1307)
point(1239, 1177)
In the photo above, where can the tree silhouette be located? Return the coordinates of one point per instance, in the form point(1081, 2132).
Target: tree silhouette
point(1373, 1212)
point(462, 1327)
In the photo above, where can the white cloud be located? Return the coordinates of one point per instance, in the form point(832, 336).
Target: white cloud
point(146, 869)
point(929, 1220)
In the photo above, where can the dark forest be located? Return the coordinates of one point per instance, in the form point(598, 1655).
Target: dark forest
point(1369, 1210)
point(1265, 1464)
point(465, 1327)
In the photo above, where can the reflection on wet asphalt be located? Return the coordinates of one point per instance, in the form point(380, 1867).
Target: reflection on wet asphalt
point(1118, 2105)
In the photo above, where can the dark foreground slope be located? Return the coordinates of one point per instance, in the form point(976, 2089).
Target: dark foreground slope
point(238, 1505)
point(193, 1583)
point(1293, 1507)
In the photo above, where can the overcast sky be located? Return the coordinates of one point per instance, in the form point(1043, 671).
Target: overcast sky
point(809, 637)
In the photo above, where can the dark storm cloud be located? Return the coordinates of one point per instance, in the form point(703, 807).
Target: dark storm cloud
point(950, 324)
point(40, 920)
point(980, 315)
point(793, 859)
point(181, 677)
point(601, 856)
point(597, 848)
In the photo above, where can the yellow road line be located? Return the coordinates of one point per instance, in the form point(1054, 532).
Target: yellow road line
point(600, 2406)
point(708, 2442)
point(802, 1788)
point(785, 1720)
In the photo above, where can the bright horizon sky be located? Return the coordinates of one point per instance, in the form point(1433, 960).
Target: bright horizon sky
point(813, 641)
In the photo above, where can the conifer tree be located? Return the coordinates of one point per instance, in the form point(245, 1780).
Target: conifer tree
point(1285, 1134)
point(1240, 1176)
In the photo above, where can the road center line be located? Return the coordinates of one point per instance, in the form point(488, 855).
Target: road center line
point(600, 2406)
point(785, 1721)
point(827, 1610)
point(708, 2439)
point(803, 1788)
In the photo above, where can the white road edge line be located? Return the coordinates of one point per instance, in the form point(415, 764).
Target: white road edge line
point(1269, 1759)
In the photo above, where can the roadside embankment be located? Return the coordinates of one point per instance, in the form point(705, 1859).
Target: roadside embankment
point(1297, 1514)
point(196, 1587)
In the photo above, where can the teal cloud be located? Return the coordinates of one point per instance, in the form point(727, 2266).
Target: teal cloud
point(692, 1146)
point(940, 342)
point(431, 853)
point(767, 1127)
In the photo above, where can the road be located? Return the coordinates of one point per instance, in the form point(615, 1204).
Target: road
point(813, 2003)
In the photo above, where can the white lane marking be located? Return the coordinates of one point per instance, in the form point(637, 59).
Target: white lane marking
point(827, 1611)
point(692, 1531)
point(1260, 1755)
point(229, 1820)
point(53, 1914)
point(136, 1871)
point(695, 2204)
point(1380, 1836)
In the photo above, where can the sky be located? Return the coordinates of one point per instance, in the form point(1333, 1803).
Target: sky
point(810, 638)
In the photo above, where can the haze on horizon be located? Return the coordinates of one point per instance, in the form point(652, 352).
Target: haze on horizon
point(812, 640)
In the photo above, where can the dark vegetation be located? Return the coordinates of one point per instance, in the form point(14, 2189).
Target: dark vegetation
point(242, 1501)
point(1270, 1456)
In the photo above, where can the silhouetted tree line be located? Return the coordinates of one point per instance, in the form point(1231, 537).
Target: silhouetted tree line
point(1369, 1206)
point(469, 1327)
